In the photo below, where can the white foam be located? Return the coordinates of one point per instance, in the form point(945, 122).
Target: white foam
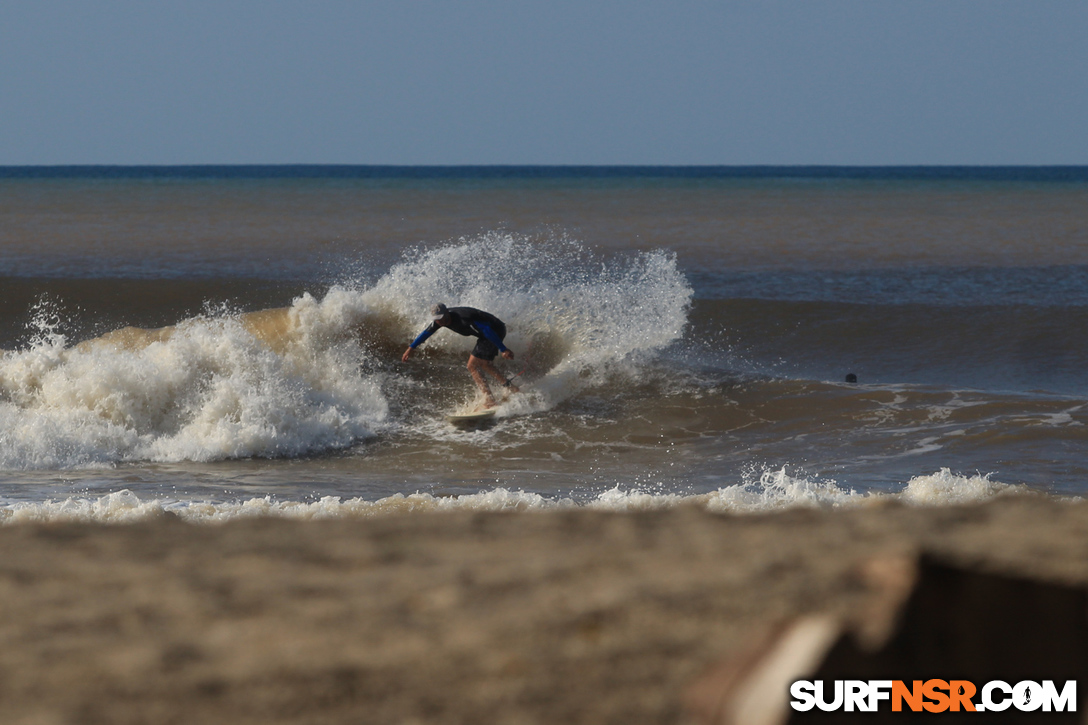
point(778, 490)
point(773, 491)
point(115, 508)
point(299, 381)
point(210, 390)
point(944, 488)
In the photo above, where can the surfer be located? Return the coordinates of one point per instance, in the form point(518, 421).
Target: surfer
point(489, 331)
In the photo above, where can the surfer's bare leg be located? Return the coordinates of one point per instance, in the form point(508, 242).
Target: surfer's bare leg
point(494, 372)
point(475, 366)
point(497, 374)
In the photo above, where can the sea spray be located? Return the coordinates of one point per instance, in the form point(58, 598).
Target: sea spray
point(586, 316)
point(776, 489)
point(322, 374)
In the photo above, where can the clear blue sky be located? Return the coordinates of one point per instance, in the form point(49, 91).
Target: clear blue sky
point(544, 82)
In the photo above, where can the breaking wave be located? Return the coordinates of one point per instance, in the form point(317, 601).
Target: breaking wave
point(774, 491)
point(319, 375)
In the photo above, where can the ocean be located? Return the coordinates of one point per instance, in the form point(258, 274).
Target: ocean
point(225, 342)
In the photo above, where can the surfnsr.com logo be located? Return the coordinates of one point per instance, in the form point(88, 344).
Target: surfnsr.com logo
point(933, 696)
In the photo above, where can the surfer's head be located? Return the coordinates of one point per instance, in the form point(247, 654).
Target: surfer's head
point(439, 312)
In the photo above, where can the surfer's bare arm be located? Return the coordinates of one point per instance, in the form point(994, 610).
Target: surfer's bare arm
point(508, 354)
point(406, 355)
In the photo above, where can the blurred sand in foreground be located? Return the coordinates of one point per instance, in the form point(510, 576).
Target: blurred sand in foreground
point(560, 617)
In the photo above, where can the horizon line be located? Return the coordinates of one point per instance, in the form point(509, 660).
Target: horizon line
point(993, 172)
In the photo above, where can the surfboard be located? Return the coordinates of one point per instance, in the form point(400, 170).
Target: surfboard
point(476, 417)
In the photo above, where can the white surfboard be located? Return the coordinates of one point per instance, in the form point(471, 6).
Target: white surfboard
point(474, 417)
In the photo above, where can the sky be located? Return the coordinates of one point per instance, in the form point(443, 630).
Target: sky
point(676, 82)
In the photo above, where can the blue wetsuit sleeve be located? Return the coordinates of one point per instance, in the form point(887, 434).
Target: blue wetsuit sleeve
point(423, 336)
point(491, 336)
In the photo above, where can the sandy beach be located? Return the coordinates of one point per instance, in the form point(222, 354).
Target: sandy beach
point(558, 617)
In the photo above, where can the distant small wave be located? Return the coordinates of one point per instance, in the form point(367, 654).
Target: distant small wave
point(773, 491)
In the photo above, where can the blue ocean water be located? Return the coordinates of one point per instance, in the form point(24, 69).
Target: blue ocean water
point(686, 333)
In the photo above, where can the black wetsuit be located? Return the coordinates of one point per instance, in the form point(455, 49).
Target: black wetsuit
point(470, 321)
